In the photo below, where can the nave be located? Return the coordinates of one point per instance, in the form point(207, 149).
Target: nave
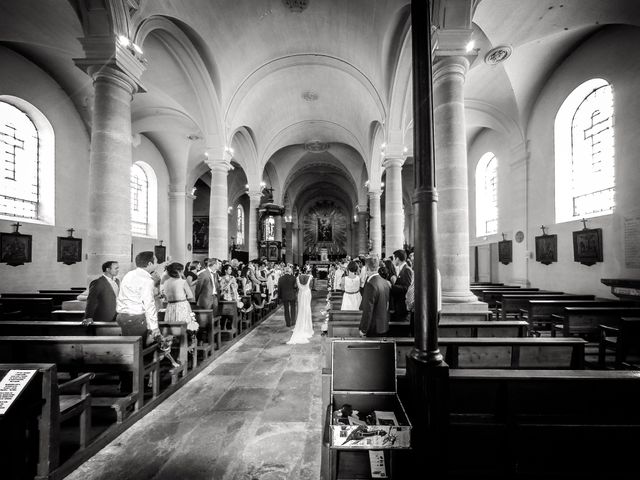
point(254, 413)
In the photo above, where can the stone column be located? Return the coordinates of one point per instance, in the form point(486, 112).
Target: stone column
point(289, 241)
point(110, 162)
point(375, 222)
point(451, 174)
point(252, 238)
point(409, 229)
point(394, 215)
point(180, 223)
point(363, 241)
point(189, 198)
point(218, 205)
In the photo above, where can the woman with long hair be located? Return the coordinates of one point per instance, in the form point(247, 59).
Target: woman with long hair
point(303, 330)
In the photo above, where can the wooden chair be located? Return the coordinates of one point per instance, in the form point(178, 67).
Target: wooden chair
point(623, 340)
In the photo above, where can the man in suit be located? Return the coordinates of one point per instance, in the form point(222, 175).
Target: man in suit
point(375, 303)
point(399, 289)
point(103, 291)
point(287, 291)
point(208, 286)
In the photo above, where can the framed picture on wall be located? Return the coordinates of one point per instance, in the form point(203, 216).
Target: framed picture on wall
point(547, 249)
point(587, 246)
point(15, 248)
point(160, 251)
point(201, 235)
point(505, 252)
point(69, 250)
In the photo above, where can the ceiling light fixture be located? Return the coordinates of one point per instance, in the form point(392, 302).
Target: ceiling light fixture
point(498, 55)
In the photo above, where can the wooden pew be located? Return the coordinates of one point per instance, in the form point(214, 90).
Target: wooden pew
point(209, 336)
point(512, 304)
point(57, 297)
point(350, 328)
point(491, 296)
point(88, 354)
point(538, 312)
point(52, 404)
point(543, 424)
point(26, 308)
point(524, 353)
point(473, 328)
point(584, 321)
point(493, 352)
point(623, 340)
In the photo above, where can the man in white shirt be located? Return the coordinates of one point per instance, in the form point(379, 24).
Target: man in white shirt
point(136, 304)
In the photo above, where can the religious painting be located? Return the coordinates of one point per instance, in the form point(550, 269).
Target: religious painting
point(69, 250)
point(15, 248)
point(547, 249)
point(505, 252)
point(587, 246)
point(273, 253)
point(325, 230)
point(160, 251)
point(200, 235)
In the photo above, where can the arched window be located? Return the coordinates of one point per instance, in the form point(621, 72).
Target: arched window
point(240, 225)
point(139, 201)
point(26, 162)
point(584, 152)
point(487, 195)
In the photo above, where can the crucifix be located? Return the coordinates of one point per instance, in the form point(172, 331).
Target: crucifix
point(504, 237)
point(16, 226)
point(543, 229)
point(584, 224)
point(71, 230)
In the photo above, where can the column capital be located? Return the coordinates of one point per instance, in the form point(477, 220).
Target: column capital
point(450, 65)
point(374, 194)
point(221, 165)
point(107, 58)
point(255, 195)
point(393, 161)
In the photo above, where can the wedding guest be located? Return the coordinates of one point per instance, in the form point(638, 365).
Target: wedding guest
point(375, 303)
point(136, 304)
point(178, 294)
point(399, 289)
point(103, 291)
point(351, 298)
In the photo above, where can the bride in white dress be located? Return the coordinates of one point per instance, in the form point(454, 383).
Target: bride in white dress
point(303, 330)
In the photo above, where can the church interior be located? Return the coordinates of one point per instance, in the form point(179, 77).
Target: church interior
point(297, 132)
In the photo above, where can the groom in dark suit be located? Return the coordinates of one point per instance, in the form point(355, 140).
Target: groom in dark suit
point(103, 291)
point(288, 292)
point(375, 303)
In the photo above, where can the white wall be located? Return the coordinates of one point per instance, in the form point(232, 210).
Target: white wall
point(23, 79)
point(146, 152)
point(604, 55)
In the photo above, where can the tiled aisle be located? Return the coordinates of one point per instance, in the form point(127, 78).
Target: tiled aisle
point(254, 413)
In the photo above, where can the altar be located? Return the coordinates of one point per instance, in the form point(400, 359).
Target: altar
point(322, 268)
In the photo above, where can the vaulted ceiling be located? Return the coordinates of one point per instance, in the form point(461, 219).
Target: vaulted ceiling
point(304, 98)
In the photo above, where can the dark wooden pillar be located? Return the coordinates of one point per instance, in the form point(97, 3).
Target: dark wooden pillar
point(426, 370)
